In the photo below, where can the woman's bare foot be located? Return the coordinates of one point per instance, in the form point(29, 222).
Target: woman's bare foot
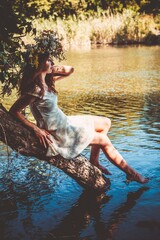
point(103, 169)
point(137, 177)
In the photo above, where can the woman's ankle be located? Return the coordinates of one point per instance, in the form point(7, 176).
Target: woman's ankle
point(136, 177)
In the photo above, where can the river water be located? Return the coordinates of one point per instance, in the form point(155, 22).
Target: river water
point(39, 202)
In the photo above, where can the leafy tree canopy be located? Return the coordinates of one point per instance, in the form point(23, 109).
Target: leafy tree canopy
point(13, 60)
point(15, 22)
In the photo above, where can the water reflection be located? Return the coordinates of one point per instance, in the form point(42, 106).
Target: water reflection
point(88, 208)
point(80, 215)
point(119, 215)
point(26, 187)
point(150, 120)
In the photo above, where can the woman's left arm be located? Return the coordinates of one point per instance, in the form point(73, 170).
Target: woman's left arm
point(61, 72)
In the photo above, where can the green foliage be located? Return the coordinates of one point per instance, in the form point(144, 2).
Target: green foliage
point(13, 19)
point(150, 6)
point(46, 44)
point(152, 39)
point(12, 26)
point(10, 60)
point(14, 59)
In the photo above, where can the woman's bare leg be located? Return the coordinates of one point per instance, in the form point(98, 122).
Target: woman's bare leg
point(94, 156)
point(115, 157)
point(102, 125)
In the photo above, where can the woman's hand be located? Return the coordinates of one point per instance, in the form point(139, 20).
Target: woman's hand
point(43, 136)
point(62, 70)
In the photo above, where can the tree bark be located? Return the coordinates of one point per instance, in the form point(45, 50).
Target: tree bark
point(14, 134)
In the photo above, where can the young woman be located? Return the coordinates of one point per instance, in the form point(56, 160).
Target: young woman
point(61, 134)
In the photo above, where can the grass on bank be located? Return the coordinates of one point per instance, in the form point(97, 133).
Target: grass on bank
point(128, 27)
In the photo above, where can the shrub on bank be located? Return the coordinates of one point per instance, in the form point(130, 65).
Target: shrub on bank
point(128, 27)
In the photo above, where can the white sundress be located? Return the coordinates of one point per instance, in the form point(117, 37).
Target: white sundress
point(70, 135)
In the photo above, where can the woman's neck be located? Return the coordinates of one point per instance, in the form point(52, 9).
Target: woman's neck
point(42, 78)
point(43, 81)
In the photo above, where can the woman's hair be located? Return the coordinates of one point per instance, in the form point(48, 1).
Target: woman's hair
point(29, 79)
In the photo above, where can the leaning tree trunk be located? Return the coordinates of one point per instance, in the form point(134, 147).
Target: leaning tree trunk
point(14, 134)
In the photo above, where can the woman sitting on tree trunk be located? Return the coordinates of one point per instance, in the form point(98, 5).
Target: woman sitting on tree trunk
point(58, 133)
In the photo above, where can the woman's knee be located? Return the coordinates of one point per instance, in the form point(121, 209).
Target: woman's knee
point(107, 123)
point(102, 124)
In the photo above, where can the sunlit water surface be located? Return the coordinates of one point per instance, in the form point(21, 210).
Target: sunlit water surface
point(41, 202)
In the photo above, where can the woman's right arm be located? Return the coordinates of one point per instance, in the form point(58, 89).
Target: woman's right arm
point(61, 72)
point(18, 106)
point(16, 109)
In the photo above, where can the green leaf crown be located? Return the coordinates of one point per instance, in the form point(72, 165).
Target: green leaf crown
point(46, 44)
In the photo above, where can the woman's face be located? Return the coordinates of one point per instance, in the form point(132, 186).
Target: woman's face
point(48, 66)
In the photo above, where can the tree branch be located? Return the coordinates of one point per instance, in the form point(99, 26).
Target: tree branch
point(19, 138)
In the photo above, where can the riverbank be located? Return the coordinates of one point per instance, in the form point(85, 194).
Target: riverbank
point(128, 27)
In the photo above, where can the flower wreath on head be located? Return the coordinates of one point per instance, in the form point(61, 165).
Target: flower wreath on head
point(14, 58)
point(46, 44)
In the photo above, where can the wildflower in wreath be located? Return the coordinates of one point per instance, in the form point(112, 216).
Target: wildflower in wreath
point(47, 43)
